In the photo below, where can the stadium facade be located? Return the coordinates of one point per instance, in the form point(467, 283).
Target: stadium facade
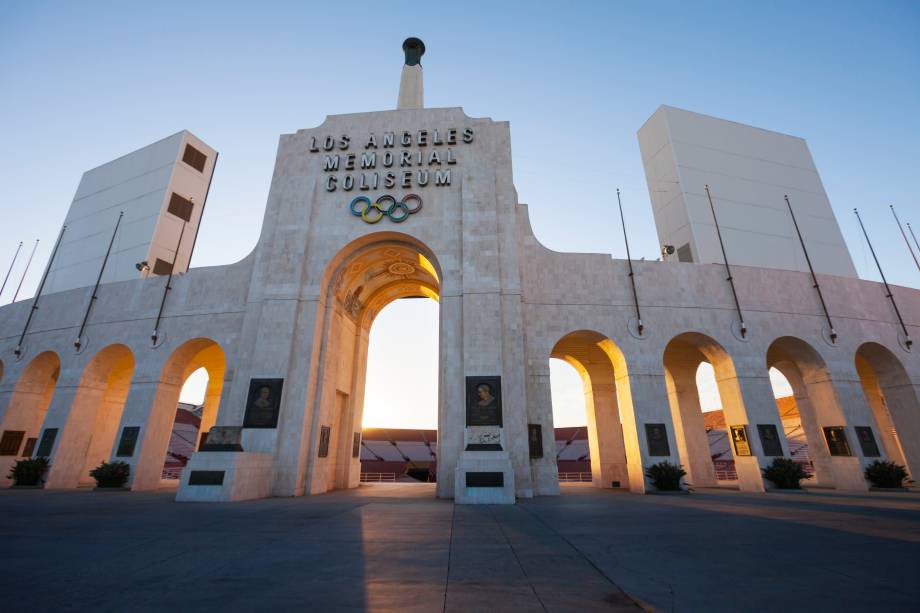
point(371, 207)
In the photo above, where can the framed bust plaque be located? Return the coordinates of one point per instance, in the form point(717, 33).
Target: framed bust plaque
point(740, 440)
point(483, 401)
point(867, 442)
point(657, 437)
point(263, 403)
point(837, 444)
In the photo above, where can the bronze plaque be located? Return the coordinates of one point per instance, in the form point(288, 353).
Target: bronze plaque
point(535, 440)
point(325, 433)
point(128, 441)
point(356, 445)
point(657, 437)
point(769, 440)
point(483, 401)
point(837, 444)
point(867, 442)
point(485, 479)
point(10, 442)
point(29, 448)
point(46, 445)
point(263, 403)
point(206, 477)
point(740, 440)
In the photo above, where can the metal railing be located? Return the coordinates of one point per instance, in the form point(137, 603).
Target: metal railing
point(378, 477)
point(575, 477)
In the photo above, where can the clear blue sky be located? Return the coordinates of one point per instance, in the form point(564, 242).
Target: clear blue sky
point(85, 82)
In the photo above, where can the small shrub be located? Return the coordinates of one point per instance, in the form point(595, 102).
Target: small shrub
point(785, 474)
point(29, 471)
point(881, 473)
point(114, 474)
point(666, 476)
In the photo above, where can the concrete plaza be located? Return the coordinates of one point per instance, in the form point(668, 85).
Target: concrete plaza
point(397, 547)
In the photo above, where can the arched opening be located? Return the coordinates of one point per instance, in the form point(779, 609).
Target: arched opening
point(157, 464)
point(814, 406)
point(700, 376)
point(720, 446)
point(599, 364)
point(26, 410)
point(361, 282)
point(893, 399)
point(92, 421)
point(400, 421)
point(793, 429)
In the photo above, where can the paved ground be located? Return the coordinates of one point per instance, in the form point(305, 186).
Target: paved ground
point(395, 547)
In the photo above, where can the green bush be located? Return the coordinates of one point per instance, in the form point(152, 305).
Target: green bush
point(666, 476)
point(111, 474)
point(29, 471)
point(785, 474)
point(881, 473)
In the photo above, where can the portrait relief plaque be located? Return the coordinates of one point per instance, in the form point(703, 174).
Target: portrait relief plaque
point(657, 437)
point(356, 445)
point(535, 440)
point(46, 444)
point(12, 439)
point(740, 440)
point(29, 447)
point(769, 440)
point(263, 403)
point(837, 444)
point(128, 441)
point(325, 433)
point(867, 442)
point(483, 401)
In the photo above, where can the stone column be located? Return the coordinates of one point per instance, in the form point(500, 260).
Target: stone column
point(747, 399)
point(544, 471)
point(689, 426)
point(643, 399)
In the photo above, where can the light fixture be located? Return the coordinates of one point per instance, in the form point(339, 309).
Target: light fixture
point(143, 266)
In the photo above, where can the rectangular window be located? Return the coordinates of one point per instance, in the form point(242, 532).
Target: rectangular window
point(684, 254)
point(161, 267)
point(194, 158)
point(10, 442)
point(181, 207)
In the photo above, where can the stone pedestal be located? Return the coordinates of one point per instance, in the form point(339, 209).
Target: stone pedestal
point(484, 474)
point(226, 476)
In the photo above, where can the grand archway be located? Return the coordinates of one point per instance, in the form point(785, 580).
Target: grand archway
point(26, 410)
point(597, 361)
point(893, 399)
point(360, 282)
point(92, 422)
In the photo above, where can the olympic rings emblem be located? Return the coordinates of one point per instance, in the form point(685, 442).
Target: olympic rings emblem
point(385, 206)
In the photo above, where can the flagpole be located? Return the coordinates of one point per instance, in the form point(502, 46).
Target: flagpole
point(38, 294)
point(814, 278)
point(907, 242)
point(632, 276)
point(8, 272)
point(23, 278)
point(77, 343)
point(889, 295)
point(728, 269)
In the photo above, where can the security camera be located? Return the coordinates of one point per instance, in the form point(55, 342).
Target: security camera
point(667, 250)
point(143, 266)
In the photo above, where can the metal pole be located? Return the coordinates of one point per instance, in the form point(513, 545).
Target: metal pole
point(92, 298)
point(814, 277)
point(38, 294)
point(890, 296)
point(23, 278)
point(166, 290)
point(901, 228)
point(632, 275)
point(7, 277)
point(728, 269)
point(913, 235)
